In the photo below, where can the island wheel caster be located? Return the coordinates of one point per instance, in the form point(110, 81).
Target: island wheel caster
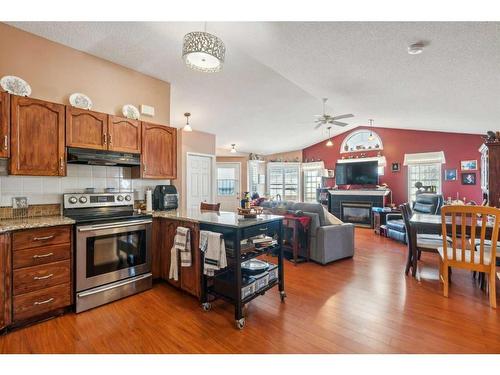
point(282, 296)
point(206, 306)
point(240, 324)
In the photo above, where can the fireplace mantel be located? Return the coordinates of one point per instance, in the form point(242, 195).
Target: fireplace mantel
point(376, 192)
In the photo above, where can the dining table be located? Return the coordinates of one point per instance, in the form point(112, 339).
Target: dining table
point(431, 224)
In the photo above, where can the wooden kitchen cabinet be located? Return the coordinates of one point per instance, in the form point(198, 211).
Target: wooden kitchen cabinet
point(159, 152)
point(37, 138)
point(189, 277)
point(124, 135)
point(42, 273)
point(86, 129)
point(4, 125)
point(5, 280)
point(156, 246)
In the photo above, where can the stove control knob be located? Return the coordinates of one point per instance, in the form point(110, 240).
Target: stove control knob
point(119, 198)
point(83, 199)
point(72, 200)
point(128, 198)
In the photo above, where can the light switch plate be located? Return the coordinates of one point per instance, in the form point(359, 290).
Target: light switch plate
point(20, 202)
point(147, 110)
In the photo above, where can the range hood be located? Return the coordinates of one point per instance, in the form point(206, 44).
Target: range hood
point(99, 157)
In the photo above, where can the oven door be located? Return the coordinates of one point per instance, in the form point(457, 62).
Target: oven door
point(110, 252)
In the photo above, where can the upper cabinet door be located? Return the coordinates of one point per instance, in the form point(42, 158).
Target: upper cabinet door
point(4, 125)
point(159, 151)
point(124, 135)
point(37, 138)
point(86, 129)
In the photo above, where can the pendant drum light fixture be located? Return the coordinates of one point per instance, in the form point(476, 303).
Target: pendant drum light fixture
point(329, 143)
point(233, 148)
point(187, 127)
point(371, 137)
point(203, 51)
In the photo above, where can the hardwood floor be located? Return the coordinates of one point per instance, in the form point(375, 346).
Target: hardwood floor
point(360, 305)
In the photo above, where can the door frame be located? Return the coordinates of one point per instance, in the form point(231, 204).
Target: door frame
point(239, 179)
point(188, 176)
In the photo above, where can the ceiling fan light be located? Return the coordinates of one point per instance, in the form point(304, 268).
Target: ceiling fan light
point(203, 52)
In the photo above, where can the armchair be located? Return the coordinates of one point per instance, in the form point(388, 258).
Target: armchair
point(328, 241)
point(425, 203)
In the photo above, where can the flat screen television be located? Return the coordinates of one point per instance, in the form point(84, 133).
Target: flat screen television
point(357, 173)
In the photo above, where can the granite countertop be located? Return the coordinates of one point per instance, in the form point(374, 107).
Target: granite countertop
point(223, 218)
point(8, 225)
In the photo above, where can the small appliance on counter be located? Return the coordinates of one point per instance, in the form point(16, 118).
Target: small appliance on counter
point(165, 197)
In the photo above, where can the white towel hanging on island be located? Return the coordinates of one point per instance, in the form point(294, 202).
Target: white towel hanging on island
point(182, 245)
point(212, 245)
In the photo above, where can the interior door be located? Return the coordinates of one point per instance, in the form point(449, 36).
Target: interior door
point(228, 186)
point(199, 180)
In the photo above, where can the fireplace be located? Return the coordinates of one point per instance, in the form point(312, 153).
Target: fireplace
point(357, 213)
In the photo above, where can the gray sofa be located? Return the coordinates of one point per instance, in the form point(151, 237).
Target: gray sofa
point(328, 242)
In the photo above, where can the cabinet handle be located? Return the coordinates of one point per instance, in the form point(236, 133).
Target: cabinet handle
point(5, 142)
point(104, 139)
point(36, 303)
point(36, 256)
point(43, 277)
point(144, 167)
point(43, 238)
point(263, 229)
point(110, 139)
point(61, 162)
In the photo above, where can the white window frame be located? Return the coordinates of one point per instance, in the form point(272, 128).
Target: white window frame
point(259, 165)
point(356, 132)
point(411, 184)
point(319, 169)
point(282, 167)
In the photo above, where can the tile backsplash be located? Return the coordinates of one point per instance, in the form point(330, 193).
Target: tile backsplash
point(46, 190)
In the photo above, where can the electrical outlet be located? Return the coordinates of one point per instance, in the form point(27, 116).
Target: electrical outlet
point(20, 202)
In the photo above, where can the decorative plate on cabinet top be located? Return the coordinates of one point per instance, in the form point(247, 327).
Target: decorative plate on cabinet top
point(80, 100)
point(15, 85)
point(130, 111)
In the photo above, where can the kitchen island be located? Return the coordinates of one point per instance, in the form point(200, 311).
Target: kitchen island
point(234, 229)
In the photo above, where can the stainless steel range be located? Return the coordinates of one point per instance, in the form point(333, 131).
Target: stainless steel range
point(113, 256)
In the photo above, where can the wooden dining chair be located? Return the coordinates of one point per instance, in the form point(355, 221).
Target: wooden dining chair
point(463, 251)
point(204, 206)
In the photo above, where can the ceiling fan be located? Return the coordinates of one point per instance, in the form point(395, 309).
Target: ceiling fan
point(328, 119)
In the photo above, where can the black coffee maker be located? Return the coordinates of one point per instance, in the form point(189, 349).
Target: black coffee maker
point(165, 197)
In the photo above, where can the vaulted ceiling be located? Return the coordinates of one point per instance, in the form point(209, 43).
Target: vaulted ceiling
point(277, 72)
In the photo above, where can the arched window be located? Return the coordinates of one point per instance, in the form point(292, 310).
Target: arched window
point(360, 140)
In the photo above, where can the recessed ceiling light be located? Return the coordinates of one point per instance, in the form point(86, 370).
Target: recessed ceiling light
point(416, 48)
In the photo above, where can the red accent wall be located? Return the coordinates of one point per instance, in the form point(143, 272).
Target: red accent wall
point(398, 142)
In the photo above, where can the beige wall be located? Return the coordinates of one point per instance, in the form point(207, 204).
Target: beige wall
point(285, 156)
point(243, 160)
point(195, 142)
point(55, 71)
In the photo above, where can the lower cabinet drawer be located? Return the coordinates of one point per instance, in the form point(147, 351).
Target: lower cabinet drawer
point(38, 256)
point(42, 301)
point(34, 278)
